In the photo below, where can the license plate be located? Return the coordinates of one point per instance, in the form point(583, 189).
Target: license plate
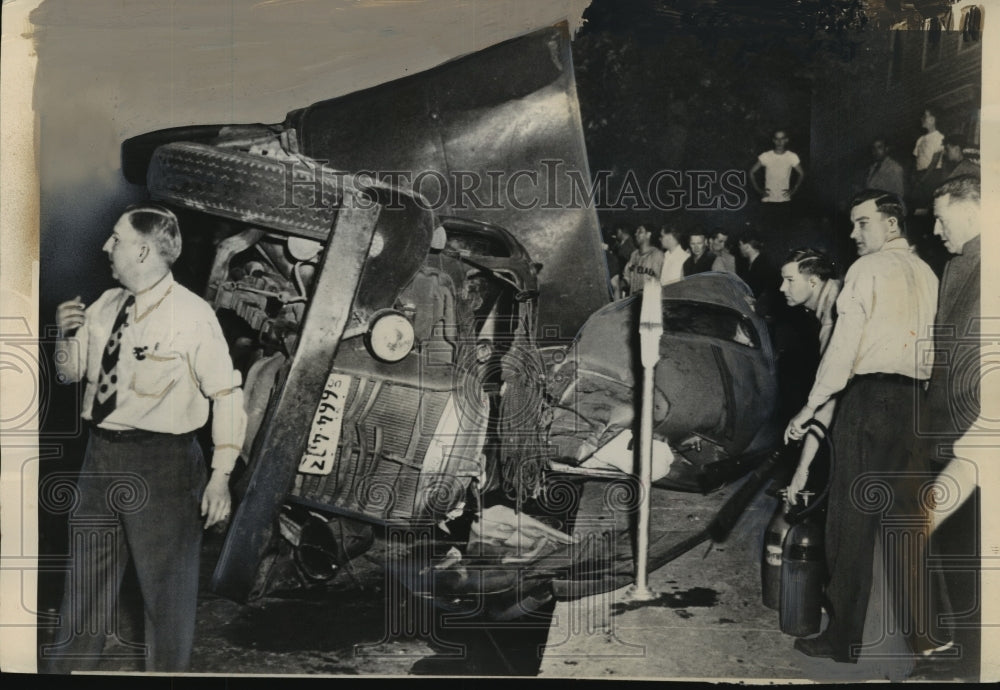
point(324, 436)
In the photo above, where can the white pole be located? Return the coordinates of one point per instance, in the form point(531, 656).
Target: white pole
point(650, 330)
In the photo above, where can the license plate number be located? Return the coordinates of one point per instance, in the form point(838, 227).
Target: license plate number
point(324, 435)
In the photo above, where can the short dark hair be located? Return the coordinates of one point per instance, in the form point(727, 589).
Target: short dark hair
point(955, 140)
point(719, 231)
point(775, 131)
point(961, 188)
point(626, 228)
point(672, 230)
point(882, 139)
point(753, 239)
point(812, 262)
point(160, 225)
point(887, 203)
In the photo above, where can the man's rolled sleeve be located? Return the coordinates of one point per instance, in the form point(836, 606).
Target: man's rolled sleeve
point(229, 423)
point(853, 309)
point(220, 383)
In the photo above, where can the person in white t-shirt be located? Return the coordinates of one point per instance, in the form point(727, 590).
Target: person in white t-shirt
point(778, 164)
point(930, 146)
point(674, 255)
point(927, 154)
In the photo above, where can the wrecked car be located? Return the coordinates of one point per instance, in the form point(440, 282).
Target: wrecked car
point(421, 367)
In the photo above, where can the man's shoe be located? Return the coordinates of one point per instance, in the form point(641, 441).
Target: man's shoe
point(946, 652)
point(940, 663)
point(821, 647)
point(945, 655)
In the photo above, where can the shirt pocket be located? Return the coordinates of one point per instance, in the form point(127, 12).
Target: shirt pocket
point(154, 376)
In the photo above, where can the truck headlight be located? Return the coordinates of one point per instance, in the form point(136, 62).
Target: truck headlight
point(390, 336)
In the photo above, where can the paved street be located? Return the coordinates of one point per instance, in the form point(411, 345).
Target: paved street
point(708, 620)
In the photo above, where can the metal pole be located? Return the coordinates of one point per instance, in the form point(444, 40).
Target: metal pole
point(650, 330)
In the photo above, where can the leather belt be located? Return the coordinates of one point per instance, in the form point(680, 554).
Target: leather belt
point(891, 378)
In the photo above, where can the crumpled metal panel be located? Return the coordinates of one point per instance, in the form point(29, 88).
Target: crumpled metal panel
point(496, 112)
point(706, 381)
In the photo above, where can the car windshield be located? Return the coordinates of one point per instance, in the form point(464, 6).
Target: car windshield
point(709, 320)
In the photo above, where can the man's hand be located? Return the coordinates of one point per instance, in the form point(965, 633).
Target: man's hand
point(797, 484)
point(798, 180)
point(796, 427)
point(216, 501)
point(70, 316)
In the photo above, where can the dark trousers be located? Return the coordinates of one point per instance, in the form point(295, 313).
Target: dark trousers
point(879, 486)
point(137, 498)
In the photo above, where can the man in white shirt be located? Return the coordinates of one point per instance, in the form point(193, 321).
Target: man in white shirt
point(154, 361)
point(929, 147)
point(927, 154)
point(778, 165)
point(876, 362)
point(674, 255)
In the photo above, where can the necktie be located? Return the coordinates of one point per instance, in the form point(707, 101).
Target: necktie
point(107, 382)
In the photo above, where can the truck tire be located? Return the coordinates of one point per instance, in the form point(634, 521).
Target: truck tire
point(290, 195)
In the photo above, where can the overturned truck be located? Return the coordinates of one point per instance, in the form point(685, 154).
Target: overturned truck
point(411, 362)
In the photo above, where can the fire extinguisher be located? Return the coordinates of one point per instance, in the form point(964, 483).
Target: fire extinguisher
point(803, 566)
point(770, 562)
point(803, 572)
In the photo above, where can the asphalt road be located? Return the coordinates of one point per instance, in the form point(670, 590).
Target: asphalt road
point(363, 621)
point(707, 620)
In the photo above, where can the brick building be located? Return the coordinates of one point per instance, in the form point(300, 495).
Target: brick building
point(932, 57)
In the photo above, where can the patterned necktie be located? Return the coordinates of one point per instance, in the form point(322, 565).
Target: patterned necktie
point(107, 382)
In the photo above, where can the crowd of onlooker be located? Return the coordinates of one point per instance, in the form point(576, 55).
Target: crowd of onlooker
point(850, 350)
point(669, 254)
point(754, 249)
